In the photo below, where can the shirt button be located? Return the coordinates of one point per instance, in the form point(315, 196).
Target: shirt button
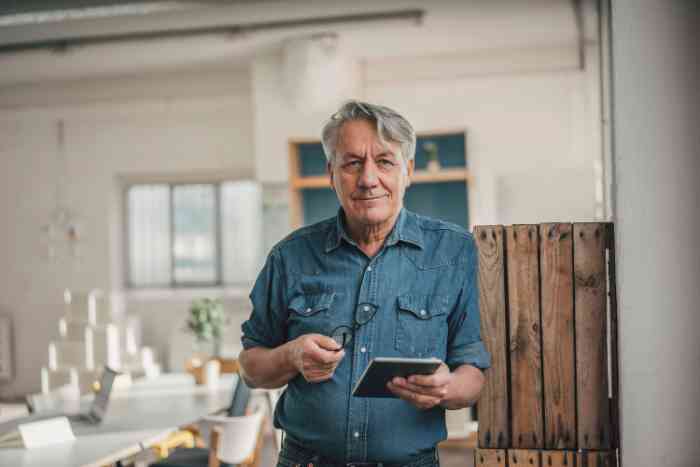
point(369, 268)
point(422, 312)
point(308, 310)
point(366, 308)
point(363, 349)
point(356, 434)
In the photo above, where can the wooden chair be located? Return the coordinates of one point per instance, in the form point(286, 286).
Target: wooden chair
point(237, 440)
point(549, 320)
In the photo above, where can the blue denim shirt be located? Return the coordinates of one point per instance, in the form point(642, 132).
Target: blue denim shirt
point(423, 285)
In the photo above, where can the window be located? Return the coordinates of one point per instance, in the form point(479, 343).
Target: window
point(193, 234)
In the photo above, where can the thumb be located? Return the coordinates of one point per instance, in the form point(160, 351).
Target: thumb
point(327, 343)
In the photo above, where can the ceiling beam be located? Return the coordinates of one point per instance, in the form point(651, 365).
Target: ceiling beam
point(67, 43)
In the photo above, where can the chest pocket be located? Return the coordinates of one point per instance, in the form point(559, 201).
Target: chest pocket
point(310, 313)
point(421, 328)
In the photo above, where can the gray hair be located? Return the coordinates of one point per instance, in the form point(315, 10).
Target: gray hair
point(391, 126)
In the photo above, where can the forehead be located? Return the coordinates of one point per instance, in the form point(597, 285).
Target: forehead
point(360, 137)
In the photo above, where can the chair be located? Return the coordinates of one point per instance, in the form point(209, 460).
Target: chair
point(235, 438)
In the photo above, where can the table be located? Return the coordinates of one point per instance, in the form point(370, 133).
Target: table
point(136, 419)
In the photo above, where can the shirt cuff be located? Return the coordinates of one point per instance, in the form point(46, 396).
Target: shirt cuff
point(474, 354)
point(249, 342)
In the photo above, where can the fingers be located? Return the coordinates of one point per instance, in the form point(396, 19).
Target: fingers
point(421, 401)
point(423, 391)
point(326, 342)
point(433, 390)
point(317, 357)
point(439, 378)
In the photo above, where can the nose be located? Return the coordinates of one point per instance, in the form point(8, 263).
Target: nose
point(368, 176)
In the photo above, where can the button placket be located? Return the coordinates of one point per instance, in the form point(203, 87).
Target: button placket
point(359, 407)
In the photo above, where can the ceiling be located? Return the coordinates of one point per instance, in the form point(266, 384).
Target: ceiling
point(43, 40)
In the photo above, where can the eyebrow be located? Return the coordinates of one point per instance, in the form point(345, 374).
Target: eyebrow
point(352, 155)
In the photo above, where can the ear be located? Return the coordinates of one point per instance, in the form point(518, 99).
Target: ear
point(410, 166)
point(329, 169)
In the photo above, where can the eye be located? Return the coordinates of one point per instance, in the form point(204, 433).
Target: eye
point(353, 163)
point(386, 162)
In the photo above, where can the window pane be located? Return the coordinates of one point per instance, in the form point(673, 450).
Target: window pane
point(194, 248)
point(241, 230)
point(149, 235)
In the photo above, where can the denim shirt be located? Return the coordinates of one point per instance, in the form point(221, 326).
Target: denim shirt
point(422, 285)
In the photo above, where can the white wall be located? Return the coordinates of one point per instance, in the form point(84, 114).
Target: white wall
point(531, 129)
point(657, 165)
point(175, 125)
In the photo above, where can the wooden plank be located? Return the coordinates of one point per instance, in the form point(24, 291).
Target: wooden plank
point(470, 442)
point(596, 459)
point(524, 336)
point(493, 403)
point(490, 457)
point(558, 355)
point(295, 203)
point(558, 458)
point(524, 458)
point(593, 407)
point(614, 358)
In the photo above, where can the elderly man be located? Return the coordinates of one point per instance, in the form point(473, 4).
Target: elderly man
point(374, 281)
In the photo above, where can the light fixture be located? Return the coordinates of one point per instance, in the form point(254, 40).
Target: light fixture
point(62, 234)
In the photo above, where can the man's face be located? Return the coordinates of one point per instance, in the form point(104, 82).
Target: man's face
point(368, 177)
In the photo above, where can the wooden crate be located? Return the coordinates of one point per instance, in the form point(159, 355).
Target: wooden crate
point(543, 458)
point(548, 318)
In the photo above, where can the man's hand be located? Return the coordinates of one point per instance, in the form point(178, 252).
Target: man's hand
point(315, 356)
point(423, 391)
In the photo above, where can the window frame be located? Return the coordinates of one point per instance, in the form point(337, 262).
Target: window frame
point(215, 183)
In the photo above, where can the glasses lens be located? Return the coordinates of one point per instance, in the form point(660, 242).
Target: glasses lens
point(364, 314)
point(342, 335)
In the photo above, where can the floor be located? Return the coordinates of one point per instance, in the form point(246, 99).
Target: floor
point(449, 457)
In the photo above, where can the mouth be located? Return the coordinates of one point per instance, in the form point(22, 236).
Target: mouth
point(370, 198)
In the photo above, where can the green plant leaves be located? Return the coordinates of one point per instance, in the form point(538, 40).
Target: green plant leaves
point(206, 319)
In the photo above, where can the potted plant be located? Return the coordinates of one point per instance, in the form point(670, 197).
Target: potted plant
point(431, 154)
point(206, 321)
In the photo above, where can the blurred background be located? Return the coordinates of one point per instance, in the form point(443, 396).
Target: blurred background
point(156, 150)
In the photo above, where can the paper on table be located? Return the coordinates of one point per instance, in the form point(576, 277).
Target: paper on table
point(45, 432)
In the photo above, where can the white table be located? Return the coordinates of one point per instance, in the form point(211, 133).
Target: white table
point(136, 419)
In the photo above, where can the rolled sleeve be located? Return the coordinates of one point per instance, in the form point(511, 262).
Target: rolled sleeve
point(266, 325)
point(464, 344)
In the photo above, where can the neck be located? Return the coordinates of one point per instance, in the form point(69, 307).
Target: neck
point(370, 237)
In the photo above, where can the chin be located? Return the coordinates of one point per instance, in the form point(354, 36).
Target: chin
point(375, 216)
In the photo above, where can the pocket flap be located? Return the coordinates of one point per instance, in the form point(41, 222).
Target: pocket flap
point(423, 306)
point(307, 305)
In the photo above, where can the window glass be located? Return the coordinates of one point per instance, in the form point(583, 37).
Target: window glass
point(194, 234)
point(149, 235)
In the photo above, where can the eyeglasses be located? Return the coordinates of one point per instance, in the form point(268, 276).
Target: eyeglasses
point(344, 335)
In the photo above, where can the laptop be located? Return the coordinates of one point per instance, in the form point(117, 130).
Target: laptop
point(92, 416)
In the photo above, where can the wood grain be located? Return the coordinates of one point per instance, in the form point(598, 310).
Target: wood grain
point(593, 408)
point(614, 357)
point(558, 458)
point(524, 458)
point(596, 459)
point(493, 403)
point(524, 336)
point(490, 458)
point(559, 363)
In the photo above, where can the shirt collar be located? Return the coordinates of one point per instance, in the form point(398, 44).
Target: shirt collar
point(406, 230)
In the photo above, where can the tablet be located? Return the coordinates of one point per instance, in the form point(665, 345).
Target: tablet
point(381, 370)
